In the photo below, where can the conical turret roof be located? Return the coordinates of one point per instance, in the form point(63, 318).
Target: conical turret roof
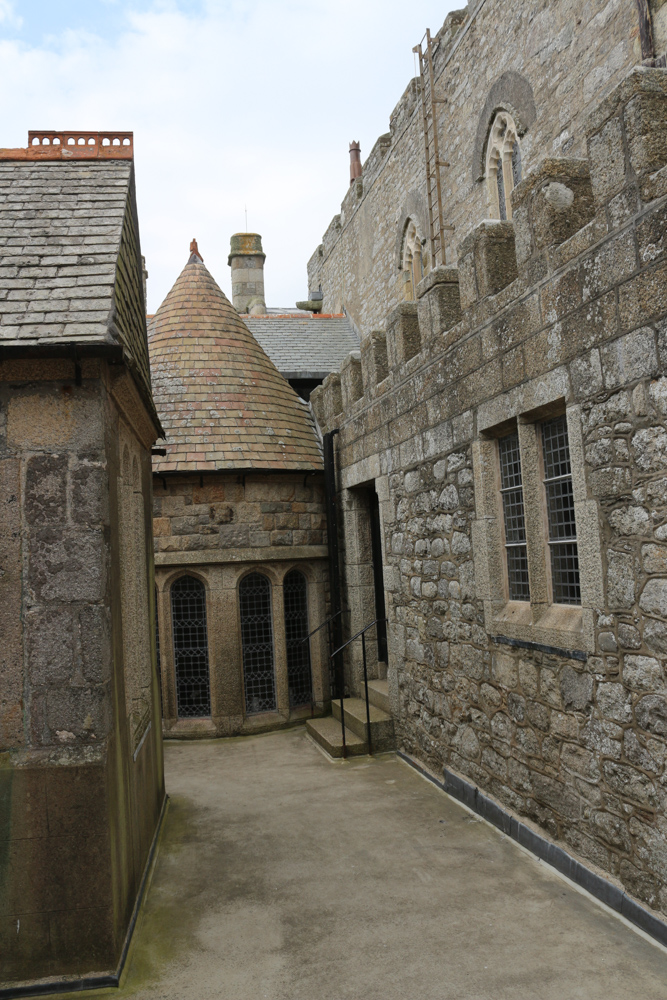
point(222, 402)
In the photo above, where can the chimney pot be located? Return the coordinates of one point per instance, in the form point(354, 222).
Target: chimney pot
point(355, 161)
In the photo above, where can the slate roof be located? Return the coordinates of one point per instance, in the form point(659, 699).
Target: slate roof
point(69, 256)
point(222, 402)
point(304, 345)
point(60, 232)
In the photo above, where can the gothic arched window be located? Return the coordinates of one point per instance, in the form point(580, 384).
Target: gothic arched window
point(188, 615)
point(295, 596)
point(503, 164)
point(257, 641)
point(414, 265)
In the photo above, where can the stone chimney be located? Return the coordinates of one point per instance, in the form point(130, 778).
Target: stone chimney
point(355, 161)
point(246, 259)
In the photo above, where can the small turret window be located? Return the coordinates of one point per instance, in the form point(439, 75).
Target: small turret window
point(503, 165)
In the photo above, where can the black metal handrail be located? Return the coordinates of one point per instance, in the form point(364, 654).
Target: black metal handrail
point(340, 649)
point(327, 621)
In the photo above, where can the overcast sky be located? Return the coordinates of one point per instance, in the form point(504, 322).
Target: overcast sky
point(232, 103)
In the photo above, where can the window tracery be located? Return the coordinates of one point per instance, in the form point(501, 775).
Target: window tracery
point(503, 165)
point(415, 262)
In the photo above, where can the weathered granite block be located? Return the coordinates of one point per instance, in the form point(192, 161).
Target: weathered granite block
point(350, 379)
point(403, 336)
point(487, 261)
point(627, 134)
point(550, 205)
point(374, 361)
point(439, 302)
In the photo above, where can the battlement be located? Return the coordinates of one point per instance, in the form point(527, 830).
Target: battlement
point(74, 145)
point(529, 294)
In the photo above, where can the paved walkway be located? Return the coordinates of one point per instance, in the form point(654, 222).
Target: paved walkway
point(284, 876)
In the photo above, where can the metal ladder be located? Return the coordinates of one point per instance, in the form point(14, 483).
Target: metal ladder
point(436, 223)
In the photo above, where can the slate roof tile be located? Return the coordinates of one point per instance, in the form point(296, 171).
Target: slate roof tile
point(221, 400)
point(60, 234)
point(309, 346)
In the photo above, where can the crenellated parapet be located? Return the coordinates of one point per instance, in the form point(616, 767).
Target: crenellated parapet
point(570, 238)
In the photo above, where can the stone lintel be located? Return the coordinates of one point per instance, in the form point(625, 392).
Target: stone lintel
point(272, 553)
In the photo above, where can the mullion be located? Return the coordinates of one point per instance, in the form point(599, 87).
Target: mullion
point(561, 523)
point(511, 491)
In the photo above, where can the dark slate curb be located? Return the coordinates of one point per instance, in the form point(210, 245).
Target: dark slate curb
point(604, 890)
point(95, 982)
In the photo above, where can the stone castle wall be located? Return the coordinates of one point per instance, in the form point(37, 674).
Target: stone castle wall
point(550, 63)
point(558, 711)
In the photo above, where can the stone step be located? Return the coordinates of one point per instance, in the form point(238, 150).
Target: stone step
point(327, 733)
point(378, 695)
point(382, 724)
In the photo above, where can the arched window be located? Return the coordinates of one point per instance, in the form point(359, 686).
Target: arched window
point(188, 615)
point(414, 260)
point(503, 165)
point(295, 593)
point(257, 641)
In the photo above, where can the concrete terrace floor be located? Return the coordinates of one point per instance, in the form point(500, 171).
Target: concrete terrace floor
point(282, 875)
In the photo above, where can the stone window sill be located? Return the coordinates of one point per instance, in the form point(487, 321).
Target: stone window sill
point(558, 625)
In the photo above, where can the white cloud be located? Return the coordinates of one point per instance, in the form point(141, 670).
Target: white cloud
point(8, 15)
point(242, 103)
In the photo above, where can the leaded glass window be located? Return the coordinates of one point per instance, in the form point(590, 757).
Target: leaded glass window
point(296, 629)
point(257, 641)
point(188, 613)
point(560, 512)
point(511, 491)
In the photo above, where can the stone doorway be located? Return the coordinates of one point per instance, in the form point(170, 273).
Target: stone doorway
point(364, 582)
point(378, 579)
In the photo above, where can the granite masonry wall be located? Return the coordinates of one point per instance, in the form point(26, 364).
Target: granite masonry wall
point(81, 787)
point(557, 711)
point(548, 63)
point(217, 529)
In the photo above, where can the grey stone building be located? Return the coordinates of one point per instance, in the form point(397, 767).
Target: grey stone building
point(530, 72)
point(508, 421)
point(81, 773)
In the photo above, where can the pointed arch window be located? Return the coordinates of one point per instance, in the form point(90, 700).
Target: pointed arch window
point(295, 594)
point(414, 265)
point(188, 613)
point(503, 165)
point(257, 641)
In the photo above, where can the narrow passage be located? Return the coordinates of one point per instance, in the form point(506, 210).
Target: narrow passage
point(284, 876)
